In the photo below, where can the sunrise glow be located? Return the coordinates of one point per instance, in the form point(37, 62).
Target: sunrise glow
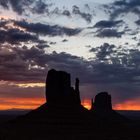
point(32, 103)
point(86, 103)
point(20, 103)
point(128, 105)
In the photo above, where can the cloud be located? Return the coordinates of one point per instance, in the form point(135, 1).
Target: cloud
point(51, 30)
point(138, 22)
point(3, 23)
point(17, 6)
point(108, 28)
point(103, 51)
point(53, 43)
point(20, 92)
point(16, 36)
point(64, 40)
point(107, 24)
point(109, 33)
point(125, 6)
point(15, 66)
point(31, 64)
point(22, 6)
point(86, 16)
point(40, 7)
point(43, 45)
point(128, 3)
point(12, 34)
point(66, 13)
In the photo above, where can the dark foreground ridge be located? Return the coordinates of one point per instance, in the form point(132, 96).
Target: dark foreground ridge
point(63, 116)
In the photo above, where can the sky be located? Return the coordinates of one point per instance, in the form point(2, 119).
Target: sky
point(97, 41)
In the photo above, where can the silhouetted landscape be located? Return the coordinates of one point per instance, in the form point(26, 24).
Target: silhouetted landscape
point(63, 116)
point(69, 69)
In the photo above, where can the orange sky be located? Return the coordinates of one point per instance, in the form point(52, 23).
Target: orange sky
point(86, 103)
point(20, 103)
point(32, 103)
point(128, 105)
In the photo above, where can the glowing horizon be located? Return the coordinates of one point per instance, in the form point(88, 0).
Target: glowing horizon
point(33, 103)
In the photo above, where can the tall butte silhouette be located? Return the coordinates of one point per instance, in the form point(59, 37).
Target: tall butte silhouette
point(63, 102)
point(59, 90)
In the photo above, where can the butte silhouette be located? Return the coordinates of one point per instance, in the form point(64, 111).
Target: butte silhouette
point(102, 108)
point(59, 90)
point(63, 104)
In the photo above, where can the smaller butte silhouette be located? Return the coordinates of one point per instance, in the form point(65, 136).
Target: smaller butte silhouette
point(102, 102)
point(102, 108)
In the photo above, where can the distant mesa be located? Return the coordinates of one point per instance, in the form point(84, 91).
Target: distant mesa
point(59, 90)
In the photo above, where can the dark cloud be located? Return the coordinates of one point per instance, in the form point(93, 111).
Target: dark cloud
point(107, 23)
point(109, 33)
point(86, 16)
point(20, 92)
point(88, 46)
point(40, 7)
point(51, 30)
point(66, 13)
point(125, 6)
point(64, 40)
point(75, 10)
point(18, 6)
point(2, 23)
point(103, 51)
point(15, 67)
point(52, 43)
point(138, 22)
point(22, 6)
point(4, 3)
point(87, 6)
point(128, 3)
point(56, 11)
point(42, 46)
point(33, 63)
point(16, 36)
